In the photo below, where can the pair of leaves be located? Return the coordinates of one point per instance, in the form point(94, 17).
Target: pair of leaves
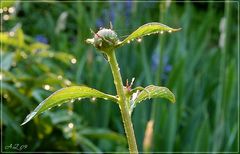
point(65, 95)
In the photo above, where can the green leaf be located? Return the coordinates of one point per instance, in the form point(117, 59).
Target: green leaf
point(147, 29)
point(153, 92)
point(66, 95)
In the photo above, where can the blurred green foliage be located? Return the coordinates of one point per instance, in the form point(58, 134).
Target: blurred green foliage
point(44, 50)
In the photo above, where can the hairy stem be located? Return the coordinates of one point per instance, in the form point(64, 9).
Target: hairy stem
point(122, 102)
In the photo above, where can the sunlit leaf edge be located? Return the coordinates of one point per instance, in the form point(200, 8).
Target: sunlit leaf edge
point(147, 29)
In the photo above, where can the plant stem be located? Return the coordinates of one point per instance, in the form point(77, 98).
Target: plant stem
point(122, 102)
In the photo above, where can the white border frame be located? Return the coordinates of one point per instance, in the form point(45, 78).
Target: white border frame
point(37, 1)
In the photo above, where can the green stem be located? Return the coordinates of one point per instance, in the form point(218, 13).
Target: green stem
point(122, 102)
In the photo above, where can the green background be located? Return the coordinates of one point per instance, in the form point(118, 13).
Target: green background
point(198, 63)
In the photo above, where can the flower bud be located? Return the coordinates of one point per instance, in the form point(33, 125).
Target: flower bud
point(104, 40)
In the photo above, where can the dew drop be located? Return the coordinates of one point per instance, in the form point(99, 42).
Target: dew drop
point(1, 76)
point(49, 108)
point(72, 100)
point(161, 32)
point(79, 98)
point(139, 40)
point(93, 99)
point(11, 10)
point(70, 125)
point(6, 17)
point(46, 87)
point(73, 61)
point(128, 41)
point(59, 105)
point(5, 9)
point(11, 34)
point(170, 31)
point(105, 98)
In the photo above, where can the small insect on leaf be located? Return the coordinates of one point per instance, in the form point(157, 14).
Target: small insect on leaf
point(147, 29)
point(65, 95)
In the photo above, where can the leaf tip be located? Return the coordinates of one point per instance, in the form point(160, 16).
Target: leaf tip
point(177, 29)
point(173, 99)
point(24, 122)
point(28, 118)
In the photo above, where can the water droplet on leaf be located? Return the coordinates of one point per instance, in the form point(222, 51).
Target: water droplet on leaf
point(1, 76)
point(139, 40)
point(73, 61)
point(70, 125)
point(93, 99)
point(11, 10)
point(11, 34)
point(46, 87)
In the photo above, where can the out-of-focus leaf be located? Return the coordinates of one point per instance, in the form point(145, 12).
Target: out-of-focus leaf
point(38, 46)
point(88, 145)
point(60, 116)
point(61, 22)
point(7, 4)
point(104, 134)
point(23, 99)
point(8, 119)
point(147, 29)
point(61, 56)
point(16, 40)
point(66, 95)
point(7, 60)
